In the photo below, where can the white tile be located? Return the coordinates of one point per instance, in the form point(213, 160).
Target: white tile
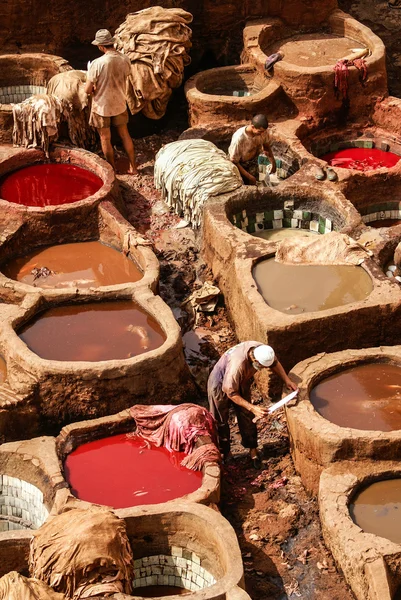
point(277, 223)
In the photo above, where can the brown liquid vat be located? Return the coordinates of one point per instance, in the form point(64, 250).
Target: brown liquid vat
point(232, 254)
point(310, 87)
point(317, 442)
point(371, 564)
point(55, 392)
point(21, 76)
point(105, 225)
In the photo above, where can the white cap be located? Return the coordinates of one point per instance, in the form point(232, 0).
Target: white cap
point(264, 355)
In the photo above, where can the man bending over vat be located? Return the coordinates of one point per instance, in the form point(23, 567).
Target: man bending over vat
point(229, 385)
point(246, 144)
point(107, 81)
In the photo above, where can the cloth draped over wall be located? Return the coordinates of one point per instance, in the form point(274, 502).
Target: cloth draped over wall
point(188, 172)
point(83, 552)
point(178, 428)
point(331, 248)
point(157, 41)
point(14, 586)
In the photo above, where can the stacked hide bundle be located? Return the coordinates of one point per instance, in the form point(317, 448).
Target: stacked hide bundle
point(157, 41)
point(14, 586)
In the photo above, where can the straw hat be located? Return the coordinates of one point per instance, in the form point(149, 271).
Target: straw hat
point(103, 37)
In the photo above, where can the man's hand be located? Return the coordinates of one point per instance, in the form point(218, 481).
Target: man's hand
point(251, 179)
point(291, 385)
point(259, 412)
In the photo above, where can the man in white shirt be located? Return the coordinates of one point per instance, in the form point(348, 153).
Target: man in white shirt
point(107, 81)
point(247, 143)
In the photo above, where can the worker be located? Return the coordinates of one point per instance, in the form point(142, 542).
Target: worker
point(107, 82)
point(229, 385)
point(246, 145)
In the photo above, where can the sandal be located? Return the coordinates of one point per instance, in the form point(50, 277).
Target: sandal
point(319, 174)
point(331, 174)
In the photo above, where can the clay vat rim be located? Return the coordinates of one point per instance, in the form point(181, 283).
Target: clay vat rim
point(69, 439)
point(304, 410)
point(101, 169)
point(221, 530)
point(343, 490)
point(143, 297)
point(192, 91)
point(336, 17)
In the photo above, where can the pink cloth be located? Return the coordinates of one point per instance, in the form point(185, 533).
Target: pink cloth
point(177, 428)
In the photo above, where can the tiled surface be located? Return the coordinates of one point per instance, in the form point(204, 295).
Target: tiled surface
point(285, 168)
point(242, 93)
point(323, 147)
point(385, 210)
point(277, 219)
point(181, 569)
point(21, 501)
point(19, 93)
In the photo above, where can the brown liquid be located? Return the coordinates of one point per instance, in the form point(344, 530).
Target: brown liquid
point(83, 264)
point(93, 332)
point(384, 223)
point(276, 235)
point(158, 591)
point(294, 289)
point(366, 397)
point(377, 509)
point(314, 49)
point(3, 370)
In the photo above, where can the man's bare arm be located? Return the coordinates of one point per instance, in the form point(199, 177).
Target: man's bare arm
point(258, 411)
point(269, 152)
point(279, 370)
point(244, 172)
point(89, 87)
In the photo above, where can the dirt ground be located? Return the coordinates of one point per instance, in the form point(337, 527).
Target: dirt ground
point(277, 524)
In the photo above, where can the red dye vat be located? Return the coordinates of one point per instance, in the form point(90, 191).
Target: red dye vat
point(120, 471)
point(361, 159)
point(49, 185)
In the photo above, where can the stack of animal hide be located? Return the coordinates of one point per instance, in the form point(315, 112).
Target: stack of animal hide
point(83, 553)
point(14, 586)
point(69, 87)
point(36, 121)
point(157, 42)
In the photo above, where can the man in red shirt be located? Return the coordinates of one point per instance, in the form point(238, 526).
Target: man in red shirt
point(107, 81)
point(229, 384)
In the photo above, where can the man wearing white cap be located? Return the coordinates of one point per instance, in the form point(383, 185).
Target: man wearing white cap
point(229, 384)
point(107, 82)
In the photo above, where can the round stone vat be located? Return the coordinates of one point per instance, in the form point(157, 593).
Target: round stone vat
point(306, 70)
point(77, 437)
point(107, 255)
point(22, 76)
point(31, 482)
point(186, 546)
point(347, 410)
point(232, 255)
point(48, 216)
point(96, 383)
point(370, 563)
point(230, 93)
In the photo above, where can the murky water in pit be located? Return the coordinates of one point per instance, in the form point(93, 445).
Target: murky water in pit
point(95, 331)
point(377, 509)
point(294, 289)
point(366, 397)
point(276, 235)
point(81, 264)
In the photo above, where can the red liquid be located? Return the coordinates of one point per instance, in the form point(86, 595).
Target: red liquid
point(119, 471)
point(49, 185)
point(93, 332)
point(361, 159)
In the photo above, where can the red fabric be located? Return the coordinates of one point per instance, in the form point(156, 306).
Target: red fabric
point(178, 428)
point(341, 74)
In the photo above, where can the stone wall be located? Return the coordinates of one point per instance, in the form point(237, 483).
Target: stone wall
point(59, 24)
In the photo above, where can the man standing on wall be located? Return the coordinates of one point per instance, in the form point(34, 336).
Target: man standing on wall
point(229, 384)
point(107, 80)
point(246, 144)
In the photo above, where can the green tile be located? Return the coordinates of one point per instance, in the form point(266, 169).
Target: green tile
point(288, 213)
point(334, 146)
point(269, 224)
point(286, 222)
point(279, 163)
point(269, 215)
point(306, 215)
point(368, 144)
point(360, 143)
point(322, 227)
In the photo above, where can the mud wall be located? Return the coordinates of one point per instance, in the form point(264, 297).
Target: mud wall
point(58, 24)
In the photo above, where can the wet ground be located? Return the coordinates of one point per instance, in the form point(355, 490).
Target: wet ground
point(277, 524)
